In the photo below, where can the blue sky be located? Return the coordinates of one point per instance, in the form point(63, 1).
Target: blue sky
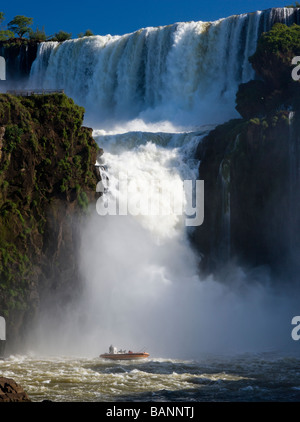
point(123, 16)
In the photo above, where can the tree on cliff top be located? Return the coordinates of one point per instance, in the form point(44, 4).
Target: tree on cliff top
point(87, 33)
point(274, 53)
point(61, 36)
point(38, 35)
point(5, 34)
point(293, 6)
point(273, 63)
point(20, 25)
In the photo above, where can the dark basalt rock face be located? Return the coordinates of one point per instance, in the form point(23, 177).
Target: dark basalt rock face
point(47, 181)
point(10, 391)
point(19, 56)
point(250, 167)
point(275, 88)
point(246, 166)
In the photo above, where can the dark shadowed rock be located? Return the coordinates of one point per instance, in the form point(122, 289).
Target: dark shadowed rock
point(47, 185)
point(10, 391)
point(251, 168)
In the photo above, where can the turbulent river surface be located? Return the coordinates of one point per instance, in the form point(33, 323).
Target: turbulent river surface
point(242, 378)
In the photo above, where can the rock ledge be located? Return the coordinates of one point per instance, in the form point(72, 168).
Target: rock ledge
point(10, 391)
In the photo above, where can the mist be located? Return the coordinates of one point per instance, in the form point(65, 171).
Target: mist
point(142, 288)
point(141, 293)
point(145, 294)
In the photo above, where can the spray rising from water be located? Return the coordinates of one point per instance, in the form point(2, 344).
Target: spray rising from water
point(142, 281)
point(143, 288)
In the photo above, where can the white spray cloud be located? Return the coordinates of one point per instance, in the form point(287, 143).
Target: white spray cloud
point(142, 285)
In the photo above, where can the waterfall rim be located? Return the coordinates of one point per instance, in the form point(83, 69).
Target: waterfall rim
point(129, 33)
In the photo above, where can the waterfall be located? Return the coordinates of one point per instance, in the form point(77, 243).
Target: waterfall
point(19, 60)
point(186, 73)
point(139, 268)
point(150, 97)
point(156, 167)
point(44, 51)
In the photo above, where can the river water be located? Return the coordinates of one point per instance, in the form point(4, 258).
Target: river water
point(240, 378)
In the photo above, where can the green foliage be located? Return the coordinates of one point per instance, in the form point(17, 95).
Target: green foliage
point(38, 35)
point(20, 25)
point(281, 39)
point(5, 35)
point(87, 33)
point(64, 185)
point(64, 165)
point(33, 140)
point(275, 90)
point(47, 158)
point(13, 137)
point(255, 121)
point(61, 36)
point(83, 200)
point(293, 6)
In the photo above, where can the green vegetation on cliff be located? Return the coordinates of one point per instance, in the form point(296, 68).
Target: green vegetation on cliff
point(292, 6)
point(275, 51)
point(21, 26)
point(275, 90)
point(47, 178)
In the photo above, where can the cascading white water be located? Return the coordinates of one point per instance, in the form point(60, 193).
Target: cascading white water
point(184, 73)
point(143, 284)
point(144, 259)
point(156, 166)
point(142, 278)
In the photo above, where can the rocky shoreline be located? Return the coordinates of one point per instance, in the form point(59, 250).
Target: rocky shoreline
point(10, 391)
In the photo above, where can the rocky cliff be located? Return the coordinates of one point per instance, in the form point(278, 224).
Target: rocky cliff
point(251, 167)
point(10, 391)
point(19, 56)
point(47, 179)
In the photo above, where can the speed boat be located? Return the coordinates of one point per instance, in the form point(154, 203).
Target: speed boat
point(114, 354)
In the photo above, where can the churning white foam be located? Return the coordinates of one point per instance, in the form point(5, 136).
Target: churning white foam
point(180, 75)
